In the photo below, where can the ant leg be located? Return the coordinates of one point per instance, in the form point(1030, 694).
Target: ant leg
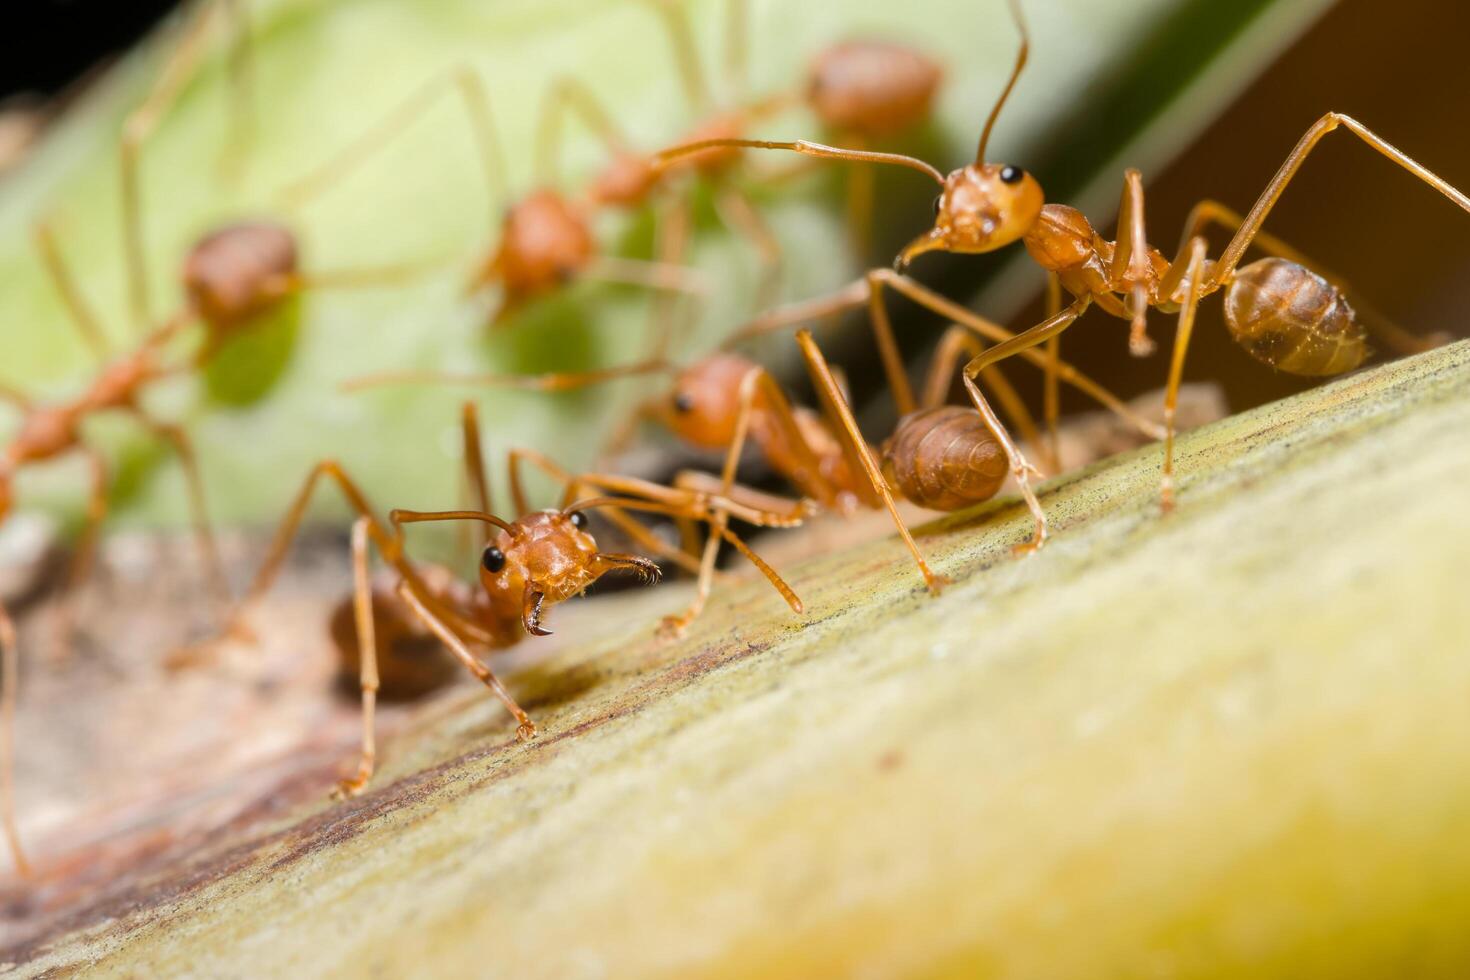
point(1131, 269)
point(674, 625)
point(553, 381)
point(1194, 274)
point(471, 90)
point(671, 317)
point(958, 342)
point(567, 94)
point(807, 476)
point(1021, 469)
point(1401, 341)
point(718, 525)
point(137, 128)
point(83, 557)
point(737, 48)
point(525, 727)
point(1051, 393)
point(240, 65)
point(742, 217)
point(686, 54)
point(849, 297)
point(9, 680)
point(182, 445)
point(856, 449)
point(651, 275)
point(82, 316)
point(367, 655)
point(1068, 374)
point(893, 366)
point(1251, 226)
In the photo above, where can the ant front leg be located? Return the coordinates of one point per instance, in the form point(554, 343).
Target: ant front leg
point(1020, 468)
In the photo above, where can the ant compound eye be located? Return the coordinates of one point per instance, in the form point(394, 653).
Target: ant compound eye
point(684, 402)
point(578, 519)
point(938, 204)
point(493, 559)
point(1012, 175)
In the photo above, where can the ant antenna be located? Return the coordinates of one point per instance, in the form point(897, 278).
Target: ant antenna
point(398, 517)
point(1015, 6)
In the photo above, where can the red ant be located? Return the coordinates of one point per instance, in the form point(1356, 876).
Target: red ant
point(1282, 311)
point(526, 566)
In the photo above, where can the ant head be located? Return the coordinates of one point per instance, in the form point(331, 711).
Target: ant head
point(704, 403)
point(239, 271)
point(983, 207)
point(548, 556)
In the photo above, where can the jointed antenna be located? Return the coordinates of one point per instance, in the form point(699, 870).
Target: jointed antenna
point(1015, 74)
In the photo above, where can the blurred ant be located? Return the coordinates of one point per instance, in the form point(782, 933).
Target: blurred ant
point(1283, 311)
point(526, 566)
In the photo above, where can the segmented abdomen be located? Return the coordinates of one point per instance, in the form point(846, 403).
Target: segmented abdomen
point(944, 458)
point(1293, 319)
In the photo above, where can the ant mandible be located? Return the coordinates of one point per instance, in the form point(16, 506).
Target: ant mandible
point(1281, 309)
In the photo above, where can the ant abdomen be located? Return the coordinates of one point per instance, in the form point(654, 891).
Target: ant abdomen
point(239, 271)
point(872, 88)
point(412, 661)
point(944, 458)
point(1294, 320)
